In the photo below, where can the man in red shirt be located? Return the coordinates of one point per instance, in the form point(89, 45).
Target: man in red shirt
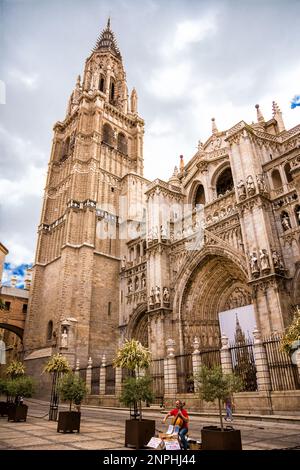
point(179, 413)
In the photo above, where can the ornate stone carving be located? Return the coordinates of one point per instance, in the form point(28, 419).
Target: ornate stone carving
point(285, 221)
point(277, 262)
point(241, 189)
point(254, 263)
point(64, 338)
point(250, 186)
point(157, 295)
point(163, 233)
point(264, 261)
point(261, 184)
point(166, 295)
point(238, 298)
point(170, 344)
point(152, 298)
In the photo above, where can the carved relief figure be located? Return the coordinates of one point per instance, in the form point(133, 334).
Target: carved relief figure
point(250, 185)
point(264, 260)
point(150, 235)
point(298, 214)
point(241, 189)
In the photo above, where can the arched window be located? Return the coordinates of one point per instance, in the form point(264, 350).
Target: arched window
point(287, 170)
point(224, 182)
point(102, 84)
point(138, 251)
point(49, 330)
point(276, 179)
point(107, 134)
point(65, 149)
point(122, 143)
point(112, 91)
point(200, 196)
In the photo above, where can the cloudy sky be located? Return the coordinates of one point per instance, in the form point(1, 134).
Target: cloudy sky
point(189, 61)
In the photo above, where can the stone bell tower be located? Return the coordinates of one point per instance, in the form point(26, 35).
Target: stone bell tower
point(74, 298)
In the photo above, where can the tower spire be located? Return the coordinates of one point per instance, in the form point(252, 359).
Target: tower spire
point(107, 42)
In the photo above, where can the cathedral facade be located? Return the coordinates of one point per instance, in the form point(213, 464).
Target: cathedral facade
point(119, 256)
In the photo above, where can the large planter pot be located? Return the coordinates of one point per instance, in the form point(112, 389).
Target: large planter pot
point(17, 412)
point(68, 421)
point(138, 433)
point(214, 439)
point(3, 408)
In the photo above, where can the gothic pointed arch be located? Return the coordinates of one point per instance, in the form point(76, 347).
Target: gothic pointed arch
point(137, 327)
point(212, 281)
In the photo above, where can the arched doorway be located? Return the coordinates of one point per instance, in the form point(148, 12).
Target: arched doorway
point(216, 283)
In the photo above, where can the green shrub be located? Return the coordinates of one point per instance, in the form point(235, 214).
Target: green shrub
point(72, 388)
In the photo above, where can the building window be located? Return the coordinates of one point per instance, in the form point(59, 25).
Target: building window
point(276, 179)
point(107, 134)
point(24, 309)
point(101, 84)
point(122, 143)
point(200, 196)
point(287, 170)
point(7, 305)
point(224, 182)
point(109, 309)
point(49, 330)
point(112, 92)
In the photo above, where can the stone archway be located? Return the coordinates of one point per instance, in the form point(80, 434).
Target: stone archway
point(214, 281)
point(137, 327)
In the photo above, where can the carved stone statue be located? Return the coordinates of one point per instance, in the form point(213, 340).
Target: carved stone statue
point(285, 221)
point(155, 233)
point(241, 189)
point(264, 260)
point(166, 295)
point(254, 262)
point(130, 288)
point(150, 235)
point(64, 338)
point(277, 261)
point(2, 352)
point(157, 295)
point(136, 283)
point(163, 233)
point(261, 183)
point(123, 262)
point(298, 214)
point(250, 185)
point(200, 146)
point(143, 282)
point(152, 297)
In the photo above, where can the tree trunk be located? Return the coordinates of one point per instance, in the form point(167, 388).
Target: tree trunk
point(220, 413)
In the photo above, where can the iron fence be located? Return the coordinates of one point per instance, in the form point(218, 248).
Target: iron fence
point(283, 373)
point(110, 379)
point(95, 390)
point(243, 364)
point(157, 374)
point(184, 367)
point(211, 358)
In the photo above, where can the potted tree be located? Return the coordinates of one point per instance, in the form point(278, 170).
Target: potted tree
point(56, 365)
point(17, 387)
point(290, 341)
point(212, 384)
point(134, 357)
point(71, 388)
